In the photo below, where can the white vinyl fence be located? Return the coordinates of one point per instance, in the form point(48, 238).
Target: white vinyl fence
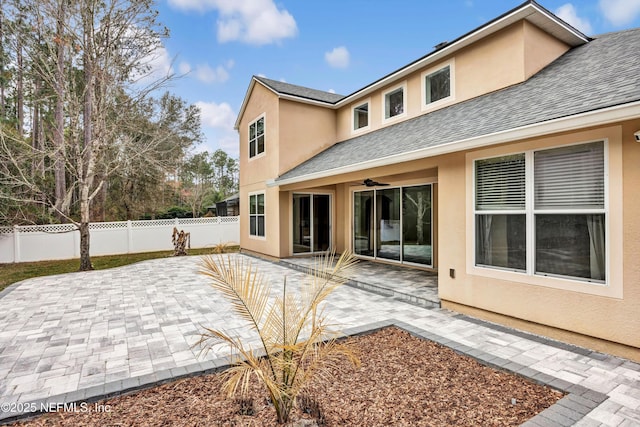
point(62, 241)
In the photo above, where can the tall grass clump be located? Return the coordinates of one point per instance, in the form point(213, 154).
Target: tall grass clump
point(298, 346)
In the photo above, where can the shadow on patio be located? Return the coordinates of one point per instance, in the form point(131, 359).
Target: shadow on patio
point(407, 284)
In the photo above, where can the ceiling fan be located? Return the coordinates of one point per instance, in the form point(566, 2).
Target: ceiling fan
point(371, 183)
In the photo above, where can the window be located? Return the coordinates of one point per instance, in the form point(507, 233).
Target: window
point(256, 215)
point(256, 137)
point(361, 116)
point(394, 102)
point(437, 85)
point(552, 227)
point(393, 224)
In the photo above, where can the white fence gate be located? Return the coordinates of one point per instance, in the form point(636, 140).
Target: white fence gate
point(62, 241)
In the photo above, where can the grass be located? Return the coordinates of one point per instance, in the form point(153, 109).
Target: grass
point(12, 273)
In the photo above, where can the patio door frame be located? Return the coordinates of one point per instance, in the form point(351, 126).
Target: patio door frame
point(311, 195)
point(375, 228)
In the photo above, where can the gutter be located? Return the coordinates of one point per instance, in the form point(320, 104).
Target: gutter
point(578, 121)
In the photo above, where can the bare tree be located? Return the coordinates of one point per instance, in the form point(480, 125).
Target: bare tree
point(101, 51)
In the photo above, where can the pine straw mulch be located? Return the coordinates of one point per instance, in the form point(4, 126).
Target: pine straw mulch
point(403, 381)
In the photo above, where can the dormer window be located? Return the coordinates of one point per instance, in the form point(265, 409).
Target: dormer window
point(256, 137)
point(395, 102)
point(436, 85)
point(361, 116)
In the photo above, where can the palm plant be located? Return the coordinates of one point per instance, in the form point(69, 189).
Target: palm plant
point(298, 346)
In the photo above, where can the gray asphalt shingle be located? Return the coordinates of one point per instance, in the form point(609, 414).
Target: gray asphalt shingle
point(301, 91)
point(602, 73)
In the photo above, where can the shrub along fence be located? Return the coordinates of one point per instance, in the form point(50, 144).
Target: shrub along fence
point(62, 241)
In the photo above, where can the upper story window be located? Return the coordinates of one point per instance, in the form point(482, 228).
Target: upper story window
point(256, 137)
point(256, 215)
point(395, 102)
point(554, 226)
point(361, 116)
point(437, 85)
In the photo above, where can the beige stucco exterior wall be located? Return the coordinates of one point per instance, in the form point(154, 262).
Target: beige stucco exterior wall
point(608, 312)
point(540, 49)
point(254, 172)
point(505, 58)
point(305, 130)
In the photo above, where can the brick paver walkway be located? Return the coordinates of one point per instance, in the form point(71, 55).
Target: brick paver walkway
point(76, 336)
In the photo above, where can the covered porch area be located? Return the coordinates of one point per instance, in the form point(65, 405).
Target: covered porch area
point(412, 285)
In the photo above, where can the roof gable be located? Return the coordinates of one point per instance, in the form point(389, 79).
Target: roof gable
point(602, 74)
point(530, 11)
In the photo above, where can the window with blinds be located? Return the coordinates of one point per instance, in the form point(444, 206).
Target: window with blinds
point(570, 177)
point(562, 230)
point(500, 183)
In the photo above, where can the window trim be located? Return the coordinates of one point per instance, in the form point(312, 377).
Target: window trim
point(423, 86)
point(257, 155)
point(353, 118)
point(264, 215)
point(402, 86)
point(613, 285)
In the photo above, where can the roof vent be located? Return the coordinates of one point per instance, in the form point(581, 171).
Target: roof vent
point(441, 45)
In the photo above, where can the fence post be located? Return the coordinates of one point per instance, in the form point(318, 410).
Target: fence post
point(129, 236)
point(16, 243)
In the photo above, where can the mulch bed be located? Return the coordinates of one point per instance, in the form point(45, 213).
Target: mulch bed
point(403, 381)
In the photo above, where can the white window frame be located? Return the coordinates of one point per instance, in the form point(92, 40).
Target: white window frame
point(423, 86)
point(262, 116)
point(612, 287)
point(403, 87)
point(264, 215)
point(366, 102)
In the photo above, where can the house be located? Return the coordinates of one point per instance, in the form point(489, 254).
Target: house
point(229, 206)
point(504, 160)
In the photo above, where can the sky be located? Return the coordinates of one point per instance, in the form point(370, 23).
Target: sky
point(216, 46)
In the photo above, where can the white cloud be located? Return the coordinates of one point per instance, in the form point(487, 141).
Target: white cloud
point(219, 116)
point(184, 68)
point(620, 12)
point(160, 66)
point(332, 91)
point(206, 74)
point(257, 22)
point(338, 57)
point(567, 12)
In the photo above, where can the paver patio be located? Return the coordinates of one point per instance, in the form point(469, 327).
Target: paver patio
point(83, 335)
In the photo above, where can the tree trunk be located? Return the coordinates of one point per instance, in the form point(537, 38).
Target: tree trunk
point(419, 217)
point(87, 159)
point(20, 78)
point(58, 129)
point(85, 258)
point(2, 54)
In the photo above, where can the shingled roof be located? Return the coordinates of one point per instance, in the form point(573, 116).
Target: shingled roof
point(300, 91)
point(597, 75)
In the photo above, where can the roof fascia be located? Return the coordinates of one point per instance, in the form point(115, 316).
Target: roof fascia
point(519, 13)
point(280, 95)
point(246, 98)
point(570, 123)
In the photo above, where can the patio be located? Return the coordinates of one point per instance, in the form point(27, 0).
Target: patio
point(412, 285)
point(83, 336)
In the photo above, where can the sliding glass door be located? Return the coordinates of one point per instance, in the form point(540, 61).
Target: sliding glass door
point(394, 224)
point(311, 223)
point(416, 225)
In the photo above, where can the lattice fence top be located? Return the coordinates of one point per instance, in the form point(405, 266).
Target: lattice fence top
point(48, 228)
point(107, 225)
point(152, 223)
point(229, 219)
point(65, 228)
